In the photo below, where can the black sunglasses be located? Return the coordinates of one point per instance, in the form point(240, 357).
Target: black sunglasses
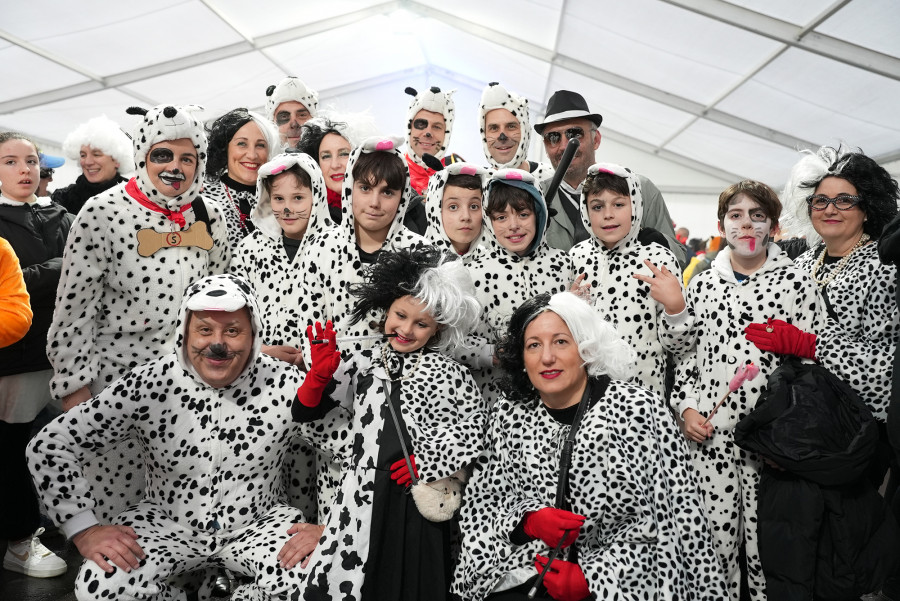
point(554, 137)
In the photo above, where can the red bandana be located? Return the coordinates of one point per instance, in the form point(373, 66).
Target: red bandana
point(418, 176)
point(175, 216)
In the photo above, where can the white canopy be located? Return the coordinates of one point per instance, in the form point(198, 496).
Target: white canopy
point(695, 94)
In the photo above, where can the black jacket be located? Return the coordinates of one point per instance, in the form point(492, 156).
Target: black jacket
point(73, 196)
point(824, 531)
point(38, 234)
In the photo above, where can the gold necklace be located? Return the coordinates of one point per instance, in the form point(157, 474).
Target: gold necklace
point(821, 283)
point(407, 376)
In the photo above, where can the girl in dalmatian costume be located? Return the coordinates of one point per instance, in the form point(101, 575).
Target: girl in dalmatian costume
point(495, 96)
point(212, 454)
point(334, 261)
point(621, 299)
point(638, 525)
point(435, 101)
point(116, 303)
point(406, 417)
point(436, 233)
point(721, 304)
point(504, 280)
point(268, 260)
point(235, 200)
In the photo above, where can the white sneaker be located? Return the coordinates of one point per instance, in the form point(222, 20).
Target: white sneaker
point(32, 558)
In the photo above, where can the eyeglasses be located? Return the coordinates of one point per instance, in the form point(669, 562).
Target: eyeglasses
point(554, 137)
point(843, 202)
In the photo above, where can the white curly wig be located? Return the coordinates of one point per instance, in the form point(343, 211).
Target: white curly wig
point(103, 134)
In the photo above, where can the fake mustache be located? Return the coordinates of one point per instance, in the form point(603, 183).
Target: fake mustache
point(218, 352)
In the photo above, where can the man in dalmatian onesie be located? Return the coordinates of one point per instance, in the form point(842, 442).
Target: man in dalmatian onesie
point(131, 253)
point(213, 420)
point(428, 128)
point(505, 126)
point(290, 104)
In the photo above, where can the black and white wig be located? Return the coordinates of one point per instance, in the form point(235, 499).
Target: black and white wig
point(222, 131)
point(438, 280)
point(602, 349)
point(876, 188)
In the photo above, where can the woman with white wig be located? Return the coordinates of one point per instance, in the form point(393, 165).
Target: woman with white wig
point(105, 155)
point(586, 490)
point(240, 142)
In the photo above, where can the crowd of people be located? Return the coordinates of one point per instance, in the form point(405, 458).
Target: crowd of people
point(287, 351)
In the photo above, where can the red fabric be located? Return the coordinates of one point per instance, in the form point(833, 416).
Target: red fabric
point(564, 581)
point(418, 176)
point(176, 216)
point(325, 361)
point(400, 471)
point(784, 339)
point(334, 199)
point(550, 525)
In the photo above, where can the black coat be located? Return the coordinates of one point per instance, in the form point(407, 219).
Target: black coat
point(824, 531)
point(73, 196)
point(38, 235)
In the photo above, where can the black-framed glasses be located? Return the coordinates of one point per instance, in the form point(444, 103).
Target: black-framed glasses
point(843, 202)
point(554, 137)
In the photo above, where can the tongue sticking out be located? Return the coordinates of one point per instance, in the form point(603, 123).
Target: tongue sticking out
point(752, 242)
point(177, 185)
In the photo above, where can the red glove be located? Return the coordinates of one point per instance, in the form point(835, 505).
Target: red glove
point(400, 471)
point(325, 361)
point(565, 581)
point(781, 338)
point(550, 524)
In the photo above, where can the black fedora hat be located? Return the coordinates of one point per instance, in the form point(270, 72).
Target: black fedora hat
point(567, 105)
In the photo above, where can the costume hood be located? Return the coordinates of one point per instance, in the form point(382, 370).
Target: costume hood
point(103, 134)
point(435, 101)
point(434, 196)
point(775, 258)
point(159, 124)
point(637, 207)
point(288, 89)
point(390, 144)
point(262, 214)
point(525, 181)
point(225, 292)
point(496, 96)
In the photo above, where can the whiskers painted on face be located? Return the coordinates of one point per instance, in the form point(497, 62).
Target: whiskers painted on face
point(288, 214)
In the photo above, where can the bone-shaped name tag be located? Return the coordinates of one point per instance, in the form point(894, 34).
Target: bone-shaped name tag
point(150, 241)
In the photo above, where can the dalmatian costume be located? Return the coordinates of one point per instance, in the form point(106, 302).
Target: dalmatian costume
point(646, 535)
point(434, 197)
point(435, 101)
point(212, 455)
point(261, 259)
point(620, 298)
point(719, 309)
point(495, 96)
point(291, 89)
point(329, 264)
point(116, 309)
point(504, 280)
point(444, 415)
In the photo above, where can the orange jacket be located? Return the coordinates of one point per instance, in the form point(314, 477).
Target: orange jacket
point(15, 309)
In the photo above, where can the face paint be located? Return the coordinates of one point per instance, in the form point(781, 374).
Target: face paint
point(161, 156)
point(746, 227)
point(420, 123)
point(172, 178)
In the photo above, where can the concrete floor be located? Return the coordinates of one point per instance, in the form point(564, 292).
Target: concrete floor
point(18, 587)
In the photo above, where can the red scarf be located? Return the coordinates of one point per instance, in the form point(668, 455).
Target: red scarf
point(175, 216)
point(418, 176)
point(334, 199)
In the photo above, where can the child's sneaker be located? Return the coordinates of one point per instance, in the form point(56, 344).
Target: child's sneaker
point(32, 558)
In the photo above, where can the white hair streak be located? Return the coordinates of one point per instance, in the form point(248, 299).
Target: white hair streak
point(813, 166)
point(601, 347)
point(448, 293)
point(354, 126)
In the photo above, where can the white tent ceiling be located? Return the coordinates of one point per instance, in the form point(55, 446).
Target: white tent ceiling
point(695, 94)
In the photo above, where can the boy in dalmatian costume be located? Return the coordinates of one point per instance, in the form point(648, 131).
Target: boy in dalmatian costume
point(438, 204)
point(510, 132)
point(610, 262)
point(289, 104)
point(132, 251)
point(336, 259)
point(212, 417)
point(267, 259)
point(750, 281)
point(425, 133)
